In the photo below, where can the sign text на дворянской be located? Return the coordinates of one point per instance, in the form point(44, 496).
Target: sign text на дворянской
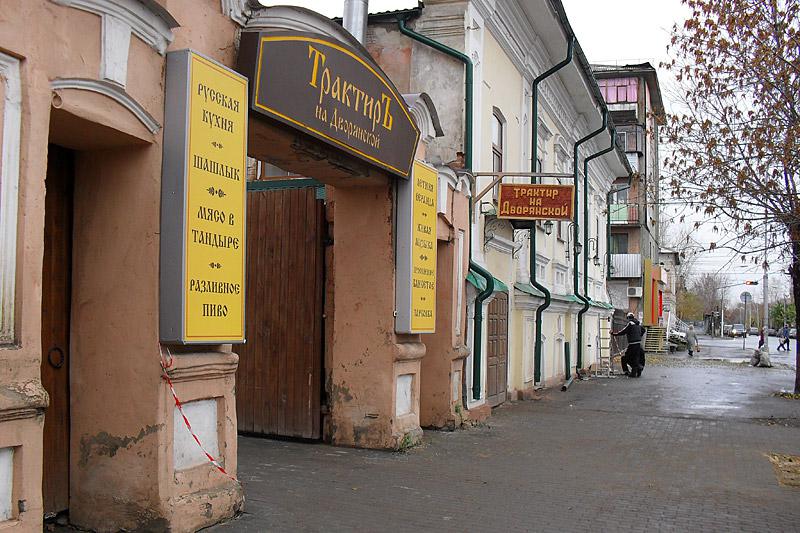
point(522, 201)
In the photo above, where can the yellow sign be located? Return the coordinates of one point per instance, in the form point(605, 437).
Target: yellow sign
point(423, 249)
point(215, 204)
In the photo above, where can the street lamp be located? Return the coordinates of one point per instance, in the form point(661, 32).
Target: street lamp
point(593, 246)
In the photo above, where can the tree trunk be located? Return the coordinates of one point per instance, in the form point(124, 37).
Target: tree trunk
point(794, 271)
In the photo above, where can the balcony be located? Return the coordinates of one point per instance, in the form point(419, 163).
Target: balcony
point(626, 266)
point(625, 214)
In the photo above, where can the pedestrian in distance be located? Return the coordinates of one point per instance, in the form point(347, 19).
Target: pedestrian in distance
point(633, 360)
point(691, 340)
point(784, 344)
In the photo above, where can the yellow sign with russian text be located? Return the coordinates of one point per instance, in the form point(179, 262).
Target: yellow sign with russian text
point(423, 249)
point(214, 295)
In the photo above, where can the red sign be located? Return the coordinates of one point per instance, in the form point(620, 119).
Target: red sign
point(523, 201)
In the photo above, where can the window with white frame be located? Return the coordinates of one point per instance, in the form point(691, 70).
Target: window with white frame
point(9, 192)
point(560, 280)
point(498, 137)
point(540, 272)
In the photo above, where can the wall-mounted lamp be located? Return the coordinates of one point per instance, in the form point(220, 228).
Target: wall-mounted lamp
point(548, 227)
point(578, 248)
point(593, 247)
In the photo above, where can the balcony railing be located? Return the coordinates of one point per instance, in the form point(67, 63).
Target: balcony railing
point(624, 214)
point(626, 265)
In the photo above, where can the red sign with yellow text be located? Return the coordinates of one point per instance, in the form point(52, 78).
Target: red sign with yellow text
point(524, 201)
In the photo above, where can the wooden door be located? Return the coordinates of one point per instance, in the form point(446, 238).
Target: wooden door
point(497, 352)
point(56, 281)
point(279, 380)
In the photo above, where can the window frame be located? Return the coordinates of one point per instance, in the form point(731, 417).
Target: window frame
point(497, 150)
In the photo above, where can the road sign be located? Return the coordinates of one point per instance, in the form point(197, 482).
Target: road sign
point(746, 297)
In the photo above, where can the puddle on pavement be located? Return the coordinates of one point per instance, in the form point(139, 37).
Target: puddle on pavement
point(713, 406)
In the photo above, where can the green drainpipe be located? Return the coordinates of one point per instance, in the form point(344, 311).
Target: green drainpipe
point(477, 344)
point(576, 234)
point(582, 312)
point(537, 351)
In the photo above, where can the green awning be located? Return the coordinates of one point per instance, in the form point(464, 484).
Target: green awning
point(479, 283)
point(527, 288)
point(569, 298)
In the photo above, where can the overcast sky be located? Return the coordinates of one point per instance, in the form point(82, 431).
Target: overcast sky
point(616, 31)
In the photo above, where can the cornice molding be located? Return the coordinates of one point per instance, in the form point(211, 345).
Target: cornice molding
point(203, 366)
point(239, 11)
point(112, 91)
point(147, 19)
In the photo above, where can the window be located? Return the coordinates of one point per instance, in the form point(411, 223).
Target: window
point(11, 121)
point(621, 140)
point(497, 142)
point(621, 197)
point(540, 273)
point(497, 145)
point(619, 243)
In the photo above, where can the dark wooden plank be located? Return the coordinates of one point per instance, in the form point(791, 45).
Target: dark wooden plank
point(56, 296)
point(283, 356)
point(319, 307)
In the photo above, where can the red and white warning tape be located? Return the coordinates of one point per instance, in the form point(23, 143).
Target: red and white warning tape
point(165, 364)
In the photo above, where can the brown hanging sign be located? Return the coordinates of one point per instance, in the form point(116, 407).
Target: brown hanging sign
point(522, 201)
point(332, 91)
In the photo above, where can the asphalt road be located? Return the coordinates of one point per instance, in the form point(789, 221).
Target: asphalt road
point(731, 349)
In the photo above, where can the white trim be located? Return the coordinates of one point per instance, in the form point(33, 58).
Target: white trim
point(9, 193)
point(148, 20)
point(114, 92)
point(502, 244)
point(238, 10)
point(460, 277)
point(116, 42)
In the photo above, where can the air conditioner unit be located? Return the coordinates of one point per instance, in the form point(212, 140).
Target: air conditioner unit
point(634, 292)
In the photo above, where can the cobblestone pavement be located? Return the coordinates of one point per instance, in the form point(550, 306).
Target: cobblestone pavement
point(679, 449)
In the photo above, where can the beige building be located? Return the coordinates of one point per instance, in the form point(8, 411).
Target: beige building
point(507, 45)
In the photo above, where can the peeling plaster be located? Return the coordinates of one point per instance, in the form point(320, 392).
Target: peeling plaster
point(105, 444)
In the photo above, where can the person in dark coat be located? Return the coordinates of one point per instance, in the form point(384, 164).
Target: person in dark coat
point(784, 345)
point(633, 360)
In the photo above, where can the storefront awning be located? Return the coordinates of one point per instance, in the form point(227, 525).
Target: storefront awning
point(601, 305)
point(569, 298)
point(479, 283)
point(527, 288)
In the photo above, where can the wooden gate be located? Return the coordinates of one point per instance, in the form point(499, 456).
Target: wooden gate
point(56, 295)
point(497, 353)
point(279, 380)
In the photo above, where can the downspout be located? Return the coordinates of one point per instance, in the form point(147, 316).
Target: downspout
point(576, 235)
point(582, 312)
point(477, 344)
point(537, 351)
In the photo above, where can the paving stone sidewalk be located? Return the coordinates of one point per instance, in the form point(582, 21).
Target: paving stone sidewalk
point(679, 449)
